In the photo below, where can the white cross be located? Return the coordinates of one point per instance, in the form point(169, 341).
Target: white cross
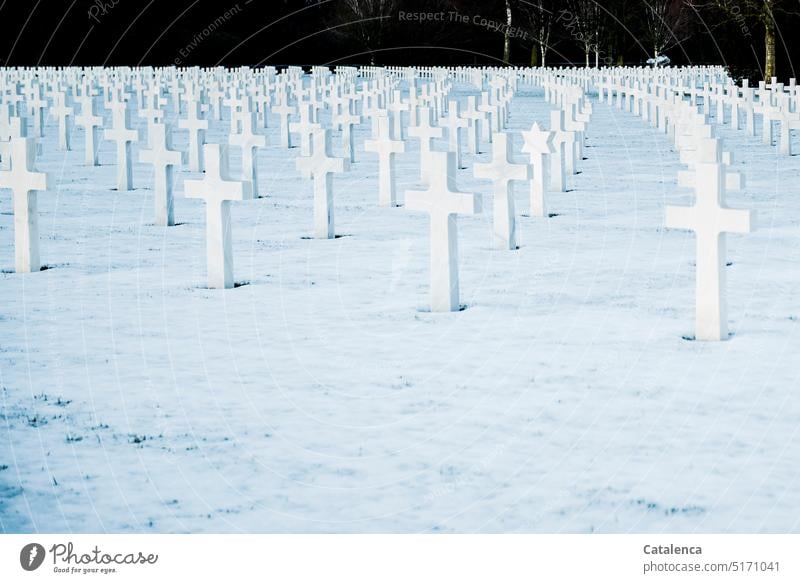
point(347, 120)
point(397, 107)
point(443, 202)
point(249, 141)
point(386, 148)
point(91, 124)
point(197, 127)
point(562, 140)
point(320, 166)
point(37, 105)
point(64, 114)
point(501, 171)
point(426, 132)
point(454, 123)
point(490, 120)
point(475, 118)
point(164, 159)
point(284, 111)
point(711, 220)
point(218, 190)
point(538, 145)
point(789, 120)
point(123, 136)
point(305, 127)
point(24, 182)
point(151, 114)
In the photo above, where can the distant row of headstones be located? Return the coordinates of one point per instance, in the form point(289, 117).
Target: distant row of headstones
point(398, 104)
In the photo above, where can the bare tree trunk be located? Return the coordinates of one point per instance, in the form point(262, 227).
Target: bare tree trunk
point(586, 50)
point(769, 50)
point(507, 39)
point(543, 50)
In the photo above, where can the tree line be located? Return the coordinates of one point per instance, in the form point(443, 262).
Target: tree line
point(589, 32)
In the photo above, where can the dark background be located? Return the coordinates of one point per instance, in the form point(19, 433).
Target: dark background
point(281, 32)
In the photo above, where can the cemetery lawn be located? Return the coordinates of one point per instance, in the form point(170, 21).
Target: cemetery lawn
point(321, 395)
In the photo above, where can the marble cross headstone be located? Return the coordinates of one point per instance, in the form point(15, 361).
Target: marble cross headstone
point(249, 141)
point(347, 120)
point(91, 124)
point(284, 110)
point(320, 166)
point(561, 141)
point(305, 127)
point(63, 113)
point(386, 148)
point(501, 171)
point(442, 201)
point(24, 181)
point(124, 137)
point(711, 220)
point(164, 160)
point(454, 123)
point(197, 127)
point(474, 118)
point(218, 190)
point(538, 145)
point(426, 132)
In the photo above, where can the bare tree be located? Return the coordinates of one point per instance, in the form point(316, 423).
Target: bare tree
point(584, 20)
point(748, 14)
point(540, 15)
point(369, 21)
point(507, 34)
point(667, 23)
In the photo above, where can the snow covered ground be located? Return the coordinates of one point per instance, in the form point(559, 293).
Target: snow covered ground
point(323, 397)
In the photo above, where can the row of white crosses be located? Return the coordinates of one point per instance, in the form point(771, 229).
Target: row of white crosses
point(719, 96)
point(249, 108)
point(319, 164)
point(709, 175)
point(442, 200)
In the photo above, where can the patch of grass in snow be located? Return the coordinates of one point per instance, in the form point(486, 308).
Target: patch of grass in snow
point(37, 421)
point(671, 510)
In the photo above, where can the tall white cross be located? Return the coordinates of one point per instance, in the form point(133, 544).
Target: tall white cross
point(164, 160)
point(63, 113)
point(347, 120)
point(218, 190)
point(475, 119)
point(249, 141)
point(789, 121)
point(123, 136)
point(711, 220)
point(24, 181)
point(397, 106)
point(284, 110)
point(443, 202)
point(305, 127)
point(37, 104)
point(501, 171)
point(426, 132)
point(562, 140)
point(91, 124)
point(320, 166)
point(539, 146)
point(197, 127)
point(454, 123)
point(386, 148)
